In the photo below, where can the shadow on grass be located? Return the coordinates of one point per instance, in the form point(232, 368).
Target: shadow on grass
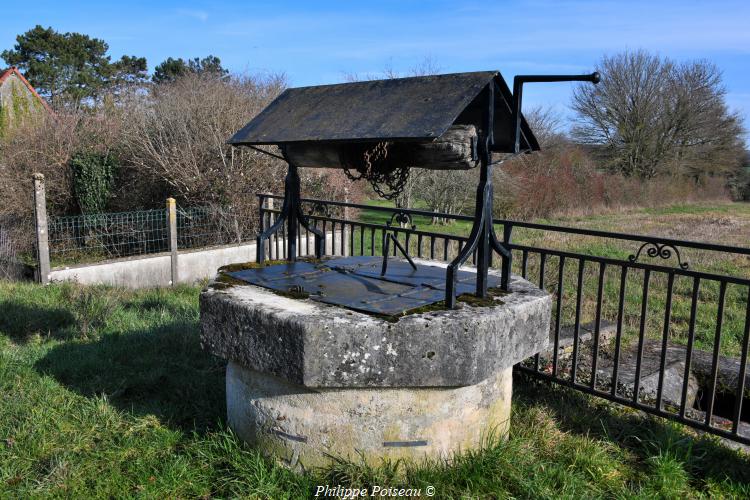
point(645, 436)
point(19, 320)
point(160, 371)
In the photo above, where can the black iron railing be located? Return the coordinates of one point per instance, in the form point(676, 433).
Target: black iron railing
point(657, 324)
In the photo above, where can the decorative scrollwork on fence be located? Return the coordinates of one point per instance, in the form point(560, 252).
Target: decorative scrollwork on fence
point(403, 219)
point(320, 208)
point(661, 250)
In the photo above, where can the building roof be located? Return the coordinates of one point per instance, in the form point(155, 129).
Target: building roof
point(14, 71)
point(416, 108)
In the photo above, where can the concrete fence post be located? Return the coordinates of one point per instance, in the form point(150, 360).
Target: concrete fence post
point(172, 224)
point(268, 205)
point(41, 229)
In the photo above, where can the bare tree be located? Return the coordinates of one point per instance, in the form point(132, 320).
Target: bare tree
point(545, 123)
point(447, 191)
point(651, 116)
point(178, 134)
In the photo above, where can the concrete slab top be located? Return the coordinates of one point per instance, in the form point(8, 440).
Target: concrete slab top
point(320, 345)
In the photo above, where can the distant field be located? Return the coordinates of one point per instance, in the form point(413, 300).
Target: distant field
point(107, 394)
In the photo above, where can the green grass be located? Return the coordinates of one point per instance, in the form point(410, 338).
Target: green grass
point(691, 209)
point(106, 393)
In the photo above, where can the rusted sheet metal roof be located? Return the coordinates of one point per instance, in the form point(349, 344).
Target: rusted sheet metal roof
point(417, 108)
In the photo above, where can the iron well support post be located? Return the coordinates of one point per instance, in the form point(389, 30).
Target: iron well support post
point(507, 261)
point(482, 233)
point(260, 249)
point(292, 214)
point(292, 178)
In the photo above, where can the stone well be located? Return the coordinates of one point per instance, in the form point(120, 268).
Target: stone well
point(307, 381)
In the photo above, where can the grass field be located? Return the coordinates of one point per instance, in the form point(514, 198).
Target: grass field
point(106, 393)
point(700, 222)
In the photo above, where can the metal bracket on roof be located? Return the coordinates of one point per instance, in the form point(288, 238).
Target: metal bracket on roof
point(518, 82)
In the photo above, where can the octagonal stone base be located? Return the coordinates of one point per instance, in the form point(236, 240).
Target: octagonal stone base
point(309, 380)
point(305, 428)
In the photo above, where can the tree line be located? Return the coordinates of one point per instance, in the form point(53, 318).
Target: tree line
point(653, 131)
point(74, 68)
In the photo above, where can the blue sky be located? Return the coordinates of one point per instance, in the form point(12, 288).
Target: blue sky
point(320, 42)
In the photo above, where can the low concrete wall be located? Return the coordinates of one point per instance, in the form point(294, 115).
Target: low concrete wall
point(155, 270)
point(138, 272)
point(200, 264)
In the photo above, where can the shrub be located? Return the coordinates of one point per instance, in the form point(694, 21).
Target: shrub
point(565, 179)
point(168, 141)
point(178, 135)
point(93, 179)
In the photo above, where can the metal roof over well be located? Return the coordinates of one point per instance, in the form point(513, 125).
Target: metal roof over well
point(411, 109)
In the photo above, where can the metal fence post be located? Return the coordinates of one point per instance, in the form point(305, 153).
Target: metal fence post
point(345, 230)
point(268, 205)
point(40, 223)
point(172, 225)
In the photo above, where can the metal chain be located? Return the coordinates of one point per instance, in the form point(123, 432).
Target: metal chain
point(387, 180)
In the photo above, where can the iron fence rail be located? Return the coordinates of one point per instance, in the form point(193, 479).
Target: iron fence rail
point(646, 327)
point(320, 205)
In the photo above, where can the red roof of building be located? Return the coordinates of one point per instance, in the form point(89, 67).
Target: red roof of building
point(13, 70)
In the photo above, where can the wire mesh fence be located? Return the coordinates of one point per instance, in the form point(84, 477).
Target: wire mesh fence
point(14, 261)
point(92, 237)
point(88, 238)
point(199, 227)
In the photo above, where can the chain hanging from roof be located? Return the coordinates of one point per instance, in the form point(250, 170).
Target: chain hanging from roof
point(384, 172)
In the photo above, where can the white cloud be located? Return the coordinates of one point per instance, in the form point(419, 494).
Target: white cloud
point(200, 15)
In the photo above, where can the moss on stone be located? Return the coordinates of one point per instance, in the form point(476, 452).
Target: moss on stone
point(224, 281)
point(491, 300)
point(434, 307)
point(293, 294)
point(244, 266)
point(218, 286)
